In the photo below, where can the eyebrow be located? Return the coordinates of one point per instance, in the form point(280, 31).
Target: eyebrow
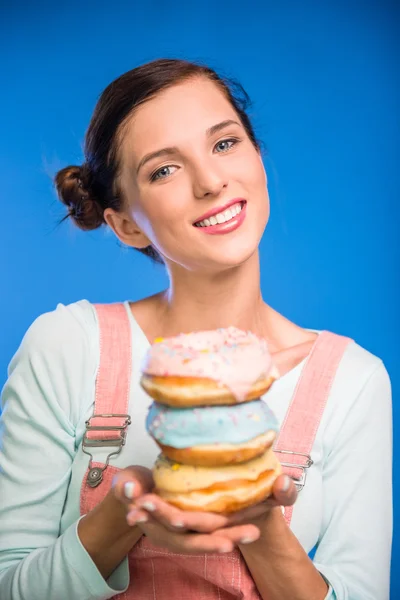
point(174, 150)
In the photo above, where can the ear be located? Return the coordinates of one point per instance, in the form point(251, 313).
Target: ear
point(125, 229)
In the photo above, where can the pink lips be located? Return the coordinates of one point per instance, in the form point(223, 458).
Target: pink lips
point(228, 226)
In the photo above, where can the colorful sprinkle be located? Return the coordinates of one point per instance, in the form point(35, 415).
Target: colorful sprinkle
point(231, 357)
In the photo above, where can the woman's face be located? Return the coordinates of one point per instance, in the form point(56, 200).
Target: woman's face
point(194, 184)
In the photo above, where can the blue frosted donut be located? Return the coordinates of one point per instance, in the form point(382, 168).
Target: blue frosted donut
point(187, 427)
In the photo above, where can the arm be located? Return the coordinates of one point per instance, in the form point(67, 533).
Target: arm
point(280, 567)
point(42, 401)
point(353, 552)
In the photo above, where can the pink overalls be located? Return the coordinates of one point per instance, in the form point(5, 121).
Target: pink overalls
point(157, 573)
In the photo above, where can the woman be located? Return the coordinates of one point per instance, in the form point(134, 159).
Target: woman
point(169, 142)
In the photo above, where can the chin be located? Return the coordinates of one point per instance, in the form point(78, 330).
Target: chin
point(239, 251)
point(233, 257)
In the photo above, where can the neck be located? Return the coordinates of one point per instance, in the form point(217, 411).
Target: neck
point(197, 302)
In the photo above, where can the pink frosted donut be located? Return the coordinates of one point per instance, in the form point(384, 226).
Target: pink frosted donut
point(223, 366)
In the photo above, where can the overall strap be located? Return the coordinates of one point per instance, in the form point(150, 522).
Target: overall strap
point(297, 434)
point(107, 427)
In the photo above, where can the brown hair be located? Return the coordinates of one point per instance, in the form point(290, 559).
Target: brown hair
point(89, 189)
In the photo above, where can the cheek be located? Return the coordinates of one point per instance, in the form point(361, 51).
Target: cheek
point(248, 169)
point(256, 174)
point(257, 186)
point(252, 175)
point(162, 214)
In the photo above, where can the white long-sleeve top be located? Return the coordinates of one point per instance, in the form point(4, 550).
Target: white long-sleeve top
point(345, 509)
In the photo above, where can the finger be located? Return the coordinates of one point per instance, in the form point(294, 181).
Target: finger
point(174, 518)
point(206, 543)
point(188, 543)
point(131, 483)
point(284, 491)
point(204, 522)
point(247, 515)
point(136, 516)
point(241, 534)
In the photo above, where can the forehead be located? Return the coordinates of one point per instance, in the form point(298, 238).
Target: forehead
point(176, 114)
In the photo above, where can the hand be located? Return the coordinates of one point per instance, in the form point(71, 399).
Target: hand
point(162, 521)
point(132, 482)
point(132, 486)
point(103, 531)
point(284, 493)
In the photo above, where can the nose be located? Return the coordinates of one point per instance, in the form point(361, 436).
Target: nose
point(208, 182)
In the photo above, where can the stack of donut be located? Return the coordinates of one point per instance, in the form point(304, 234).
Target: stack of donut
point(214, 431)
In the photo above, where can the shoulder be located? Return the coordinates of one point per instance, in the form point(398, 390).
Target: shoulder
point(57, 359)
point(360, 388)
point(359, 367)
point(66, 324)
point(59, 332)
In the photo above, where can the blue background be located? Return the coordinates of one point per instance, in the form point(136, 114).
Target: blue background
point(324, 78)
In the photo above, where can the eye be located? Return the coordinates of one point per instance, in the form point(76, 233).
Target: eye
point(162, 173)
point(227, 144)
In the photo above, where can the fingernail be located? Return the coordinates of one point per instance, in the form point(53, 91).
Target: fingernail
point(149, 506)
point(130, 517)
point(178, 524)
point(133, 519)
point(142, 519)
point(248, 540)
point(129, 488)
point(286, 483)
point(225, 549)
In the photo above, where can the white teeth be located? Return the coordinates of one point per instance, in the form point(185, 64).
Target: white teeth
point(221, 217)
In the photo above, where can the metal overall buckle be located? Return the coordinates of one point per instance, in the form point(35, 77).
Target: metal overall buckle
point(95, 474)
point(299, 483)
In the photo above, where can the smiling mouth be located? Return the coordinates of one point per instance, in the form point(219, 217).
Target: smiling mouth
point(222, 217)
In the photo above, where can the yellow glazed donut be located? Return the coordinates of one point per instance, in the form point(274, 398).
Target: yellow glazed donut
point(220, 489)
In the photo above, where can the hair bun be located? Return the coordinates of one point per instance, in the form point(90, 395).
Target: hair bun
point(73, 191)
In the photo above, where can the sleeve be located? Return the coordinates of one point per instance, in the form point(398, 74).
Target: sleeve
point(41, 402)
point(354, 548)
